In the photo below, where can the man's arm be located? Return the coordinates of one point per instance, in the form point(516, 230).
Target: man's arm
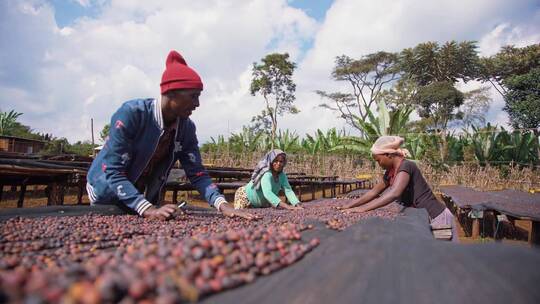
point(400, 183)
point(124, 125)
point(190, 158)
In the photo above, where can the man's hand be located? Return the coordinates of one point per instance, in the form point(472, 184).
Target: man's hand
point(229, 211)
point(163, 213)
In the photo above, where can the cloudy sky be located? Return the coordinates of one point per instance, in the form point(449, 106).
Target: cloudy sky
point(63, 62)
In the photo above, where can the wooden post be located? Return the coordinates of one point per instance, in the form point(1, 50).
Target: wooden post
point(475, 228)
point(175, 196)
point(55, 195)
point(80, 190)
point(92, 130)
point(534, 234)
point(21, 196)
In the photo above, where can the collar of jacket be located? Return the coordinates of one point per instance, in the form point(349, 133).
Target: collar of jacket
point(158, 115)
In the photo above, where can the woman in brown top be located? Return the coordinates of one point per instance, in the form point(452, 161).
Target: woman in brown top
point(405, 184)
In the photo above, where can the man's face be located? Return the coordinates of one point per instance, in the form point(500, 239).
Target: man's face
point(184, 102)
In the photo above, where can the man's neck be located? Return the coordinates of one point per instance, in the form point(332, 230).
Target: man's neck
point(168, 118)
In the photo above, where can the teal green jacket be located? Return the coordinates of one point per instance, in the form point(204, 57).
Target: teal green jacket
point(268, 193)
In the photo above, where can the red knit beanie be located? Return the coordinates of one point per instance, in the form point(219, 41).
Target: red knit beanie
point(178, 75)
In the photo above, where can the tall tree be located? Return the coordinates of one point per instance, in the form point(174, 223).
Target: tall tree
point(523, 100)
point(439, 101)
point(475, 107)
point(367, 77)
point(428, 62)
point(273, 80)
point(513, 72)
point(508, 62)
point(436, 69)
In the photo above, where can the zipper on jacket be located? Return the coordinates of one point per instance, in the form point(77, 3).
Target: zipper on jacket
point(153, 152)
point(173, 159)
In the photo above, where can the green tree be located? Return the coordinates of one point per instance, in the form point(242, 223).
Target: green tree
point(428, 62)
point(510, 61)
point(8, 121)
point(436, 69)
point(523, 100)
point(105, 132)
point(273, 80)
point(368, 77)
point(475, 107)
point(439, 101)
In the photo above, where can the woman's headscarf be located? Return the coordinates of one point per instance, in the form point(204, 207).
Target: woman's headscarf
point(389, 145)
point(264, 166)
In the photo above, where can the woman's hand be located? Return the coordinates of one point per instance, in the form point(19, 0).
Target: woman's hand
point(353, 210)
point(288, 207)
point(344, 207)
point(229, 211)
point(164, 212)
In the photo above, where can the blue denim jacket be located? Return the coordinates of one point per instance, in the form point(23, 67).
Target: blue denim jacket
point(133, 138)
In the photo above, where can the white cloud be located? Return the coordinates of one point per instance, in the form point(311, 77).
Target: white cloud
point(70, 74)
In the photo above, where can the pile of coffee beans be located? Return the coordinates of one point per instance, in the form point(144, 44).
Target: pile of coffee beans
point(106, 259)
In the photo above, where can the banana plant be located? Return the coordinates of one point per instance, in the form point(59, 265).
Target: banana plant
point(287, 141)
point(246, 141)
point(522, 147)
point(488, 144)
point(385, 123)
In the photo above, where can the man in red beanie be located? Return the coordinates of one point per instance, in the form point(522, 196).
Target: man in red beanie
point(146, 138)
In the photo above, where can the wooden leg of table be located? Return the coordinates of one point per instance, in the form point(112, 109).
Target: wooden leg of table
point(475, 228)
point(534, 234)
point(21, 196)
point(80, 189)
point(175, 196)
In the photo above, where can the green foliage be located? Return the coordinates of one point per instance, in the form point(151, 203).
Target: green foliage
point(428, 62)
point(523, 99)
point(367, 77)
point(514, 73)
point(105, 132)
point(509, 62)
point(321, 143)
point(273, 80)
point(385, 123)
point(8, 121)
point(439, 101)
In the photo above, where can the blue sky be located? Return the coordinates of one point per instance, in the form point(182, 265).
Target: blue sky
point(67, 11)
point(63, 62)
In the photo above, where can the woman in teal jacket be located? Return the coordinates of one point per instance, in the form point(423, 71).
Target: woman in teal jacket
point(267, 180)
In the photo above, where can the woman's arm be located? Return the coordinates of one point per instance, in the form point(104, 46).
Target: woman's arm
point(401, 182)
point(266, 187)
point(289, 193)
point(368, 196)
